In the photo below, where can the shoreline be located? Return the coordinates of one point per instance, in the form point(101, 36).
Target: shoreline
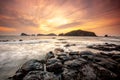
point(60, 65)
point(15, 54)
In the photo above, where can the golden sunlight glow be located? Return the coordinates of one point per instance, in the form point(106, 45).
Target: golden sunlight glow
point(58, 21)
point(60, 16)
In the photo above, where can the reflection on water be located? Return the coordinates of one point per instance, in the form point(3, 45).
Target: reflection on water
point(14, 53)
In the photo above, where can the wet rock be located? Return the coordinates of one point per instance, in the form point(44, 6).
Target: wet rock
point(4, 40)
point(68, 45)
point(54, 65)
point(74, 64)
point(50, 55)
point(28, 66)
point(74, 53)
point(116, 56)
point(63, 58)
point(40, 75)
point(20, 40)
point(86, 53)
point(107, 54)
point(32, 65)
point(69, 74)
point(84, 65)
point(57, 50)
point(91, 71)
point(106, 47)
point(88, 72)
point(107, 63)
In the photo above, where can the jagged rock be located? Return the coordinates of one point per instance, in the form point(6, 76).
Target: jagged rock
point(57, 50)
point(50, 55)
point(106, 47)
point(93, 71)
point(74, 53)
point(28, 66)
point(74, 64)
point(86, 53)
point(40, 75)
point(20, 40)
point(63, 57)
point(69, 74)
point(24, 34)
point(107, 54)
point(83, 65)
point(68, 45)
point(32, 65)
point(54, 65)
point(88, 72)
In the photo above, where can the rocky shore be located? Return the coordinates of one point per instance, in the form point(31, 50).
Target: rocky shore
point(106, 47)
point(60, 65)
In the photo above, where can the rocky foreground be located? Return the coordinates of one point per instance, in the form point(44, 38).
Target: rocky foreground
point(106, 47)
point(60, 65)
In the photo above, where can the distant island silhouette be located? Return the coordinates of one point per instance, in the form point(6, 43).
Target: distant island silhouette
point(71, 33)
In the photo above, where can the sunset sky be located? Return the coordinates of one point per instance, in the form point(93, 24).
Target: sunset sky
point(60, 16)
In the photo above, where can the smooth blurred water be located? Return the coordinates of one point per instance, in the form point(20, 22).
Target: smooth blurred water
point(14, 53)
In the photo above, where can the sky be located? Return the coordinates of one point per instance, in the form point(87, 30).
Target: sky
point(60, 16)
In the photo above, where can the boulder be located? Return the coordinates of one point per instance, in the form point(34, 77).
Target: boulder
point(57, 50)
point(40, 75)
point(27, 67)
point(74, 64)
point(54, 65)
point(50, 55)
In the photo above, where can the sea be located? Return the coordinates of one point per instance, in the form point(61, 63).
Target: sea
point(16, 50)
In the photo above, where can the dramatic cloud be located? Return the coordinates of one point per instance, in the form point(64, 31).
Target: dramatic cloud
point(46, 16)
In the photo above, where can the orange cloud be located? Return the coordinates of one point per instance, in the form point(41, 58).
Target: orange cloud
point(5, 29)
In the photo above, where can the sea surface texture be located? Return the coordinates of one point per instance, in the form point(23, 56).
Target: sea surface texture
point(16, 50)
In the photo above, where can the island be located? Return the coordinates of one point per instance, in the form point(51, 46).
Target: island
point(78, 33)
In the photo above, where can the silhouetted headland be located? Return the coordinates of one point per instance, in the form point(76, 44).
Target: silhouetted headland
point(78, 33)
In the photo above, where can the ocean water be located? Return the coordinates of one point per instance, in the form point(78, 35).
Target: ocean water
point(13, 53)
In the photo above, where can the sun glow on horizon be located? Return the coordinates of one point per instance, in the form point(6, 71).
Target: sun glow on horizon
point(58, 21)
point(59, 16)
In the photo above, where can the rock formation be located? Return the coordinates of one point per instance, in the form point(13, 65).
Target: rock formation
point(78, 33)
point(83, 65)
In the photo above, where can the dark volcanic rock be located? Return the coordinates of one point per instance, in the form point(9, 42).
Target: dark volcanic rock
point(88, 72)
point(54, 65)
point(27, 67)
point(40, 75)
point(84, 65)
point(32, 65)
point(50, 55)
point(79, 33)
point(24, 34)
point(106, 47)
point(63, 58)
point(57, 50)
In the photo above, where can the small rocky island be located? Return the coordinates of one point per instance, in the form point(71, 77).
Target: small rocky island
point(78, 33)
point(50, 34)
point(60, 65)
